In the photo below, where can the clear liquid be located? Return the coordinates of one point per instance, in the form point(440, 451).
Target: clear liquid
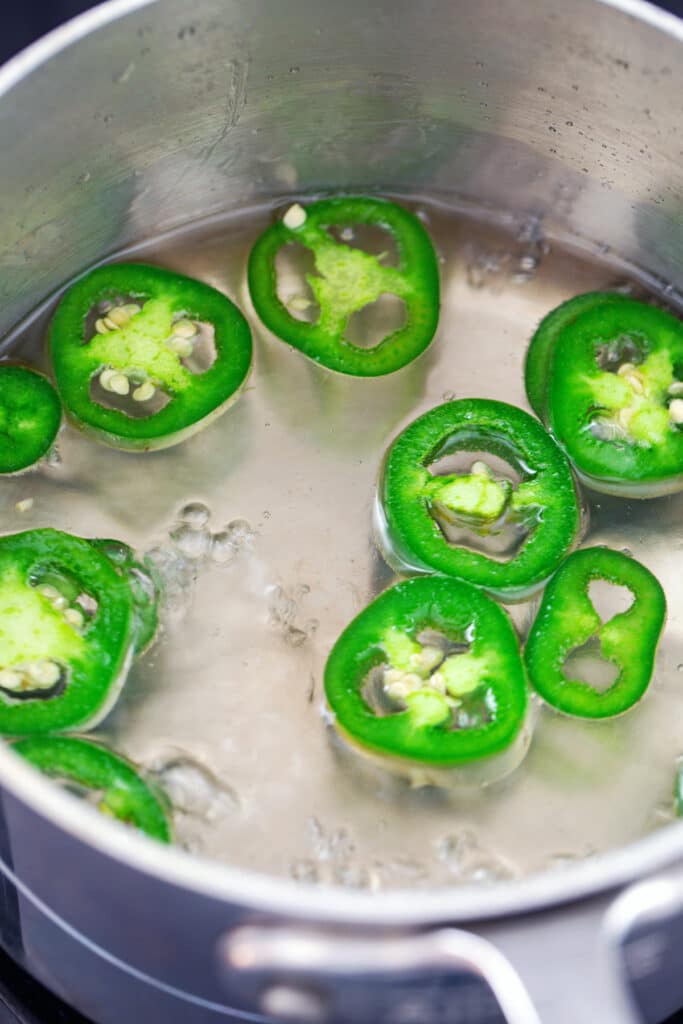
point(226, 709)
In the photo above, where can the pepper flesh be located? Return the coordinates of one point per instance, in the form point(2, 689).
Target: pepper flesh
point(613, 381)
point(567, 620)
point(142, 351)
point(346, 280)
point(44, 574)
point(30, 416)
point(544, 503)
point(124, 795)
point(428, 728)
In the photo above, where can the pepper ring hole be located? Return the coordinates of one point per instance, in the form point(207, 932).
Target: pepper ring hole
point(615, 353)
point(126, 403)
point(293, 262)
point(587, 664)
point(370, 325)
point(609, 599)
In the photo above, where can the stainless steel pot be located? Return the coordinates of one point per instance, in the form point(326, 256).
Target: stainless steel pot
point(142, 116)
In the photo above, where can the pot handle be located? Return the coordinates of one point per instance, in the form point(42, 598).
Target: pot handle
point(446, 976)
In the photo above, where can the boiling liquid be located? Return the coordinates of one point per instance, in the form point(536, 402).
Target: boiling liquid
point(261, 525)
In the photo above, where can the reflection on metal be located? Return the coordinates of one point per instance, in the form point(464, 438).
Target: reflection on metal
point(446, 976)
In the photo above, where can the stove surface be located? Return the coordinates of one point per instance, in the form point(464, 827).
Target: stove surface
point(24, 1001)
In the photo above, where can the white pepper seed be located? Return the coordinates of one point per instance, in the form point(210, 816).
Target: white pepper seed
point(294, 217)
point(74, 617)
point(44, 673)
point(182, 347)
point(106, 378)
point(184, 329)
point(676, 388)
point(624, 417)
point(437, 682)
point(676, 411)
point(117, 316)
point(48, 592)
point(397, 690)
point(635, 381)
point(144, 392)
point(299, 303)
point(10, 680)
point(119, 384)
point(101, 327)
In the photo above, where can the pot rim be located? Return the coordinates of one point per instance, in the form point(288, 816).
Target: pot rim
point(413, 907)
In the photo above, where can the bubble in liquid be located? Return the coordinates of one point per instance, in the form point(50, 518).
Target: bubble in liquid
point(195, 514)
point(453, 849)
point(304, 871)
point(222, 548)
point(192, 542)
point(241, 532)
point(193, 789)
point(281, 605)
point(176, 578)
point(231, 541)
point(54, 458)
point(404, 871)
point(353, 877)
point(295, 637)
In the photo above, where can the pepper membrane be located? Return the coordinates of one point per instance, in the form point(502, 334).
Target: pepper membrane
point(430, 672)
point(346, 279)
point(67, 633)
point(415, 508)
point(567, 619)
point(125, 343)
point(120, 791)
point(30, 416)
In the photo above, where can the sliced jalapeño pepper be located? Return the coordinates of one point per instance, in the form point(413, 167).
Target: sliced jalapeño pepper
point(346, 280)
point(67, 633)
point(542, 346)
point(145, 587)
point(615, 397)
point(429, 674)
point(30, 415)
point(116, 787)
point(432, 523)
point(568, 622)
point(144, 357)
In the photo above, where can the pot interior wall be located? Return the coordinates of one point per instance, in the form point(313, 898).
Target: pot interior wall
point(171, 113)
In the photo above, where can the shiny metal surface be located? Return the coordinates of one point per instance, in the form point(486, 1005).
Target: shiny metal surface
point(484, 988)
point(140, 118)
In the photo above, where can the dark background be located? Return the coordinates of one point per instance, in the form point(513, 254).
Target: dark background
point(21, 1001)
